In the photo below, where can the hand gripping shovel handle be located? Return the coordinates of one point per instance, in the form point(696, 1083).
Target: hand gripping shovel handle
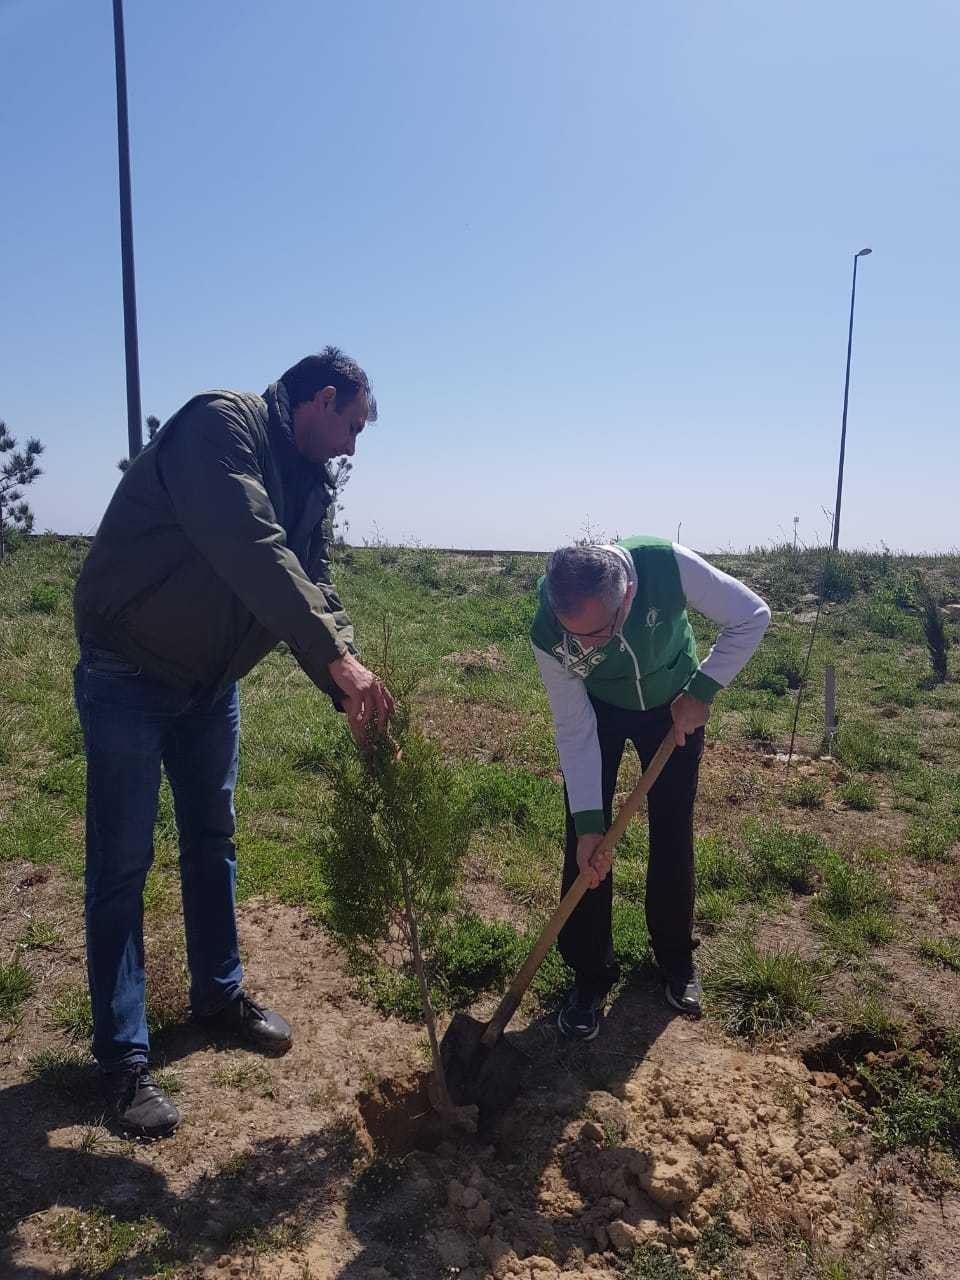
point(508, 1005)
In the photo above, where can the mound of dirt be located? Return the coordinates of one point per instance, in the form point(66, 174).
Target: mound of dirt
point(474, 661)
point(575, 1182)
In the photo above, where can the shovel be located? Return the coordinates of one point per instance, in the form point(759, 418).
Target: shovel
point(480, 1066)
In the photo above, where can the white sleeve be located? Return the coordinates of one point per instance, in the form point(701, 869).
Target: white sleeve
point(575, 725)
point(742, 615)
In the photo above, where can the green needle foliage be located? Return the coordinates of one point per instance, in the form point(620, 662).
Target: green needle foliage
point(400, 826)
point(390, 812)
point(934, 632)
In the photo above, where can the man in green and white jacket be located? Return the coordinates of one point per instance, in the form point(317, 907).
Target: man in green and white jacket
point(619, 661)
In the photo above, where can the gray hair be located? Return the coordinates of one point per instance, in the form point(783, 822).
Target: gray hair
point(577, 574)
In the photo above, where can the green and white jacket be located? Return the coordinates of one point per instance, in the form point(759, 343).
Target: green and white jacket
point(648, 662)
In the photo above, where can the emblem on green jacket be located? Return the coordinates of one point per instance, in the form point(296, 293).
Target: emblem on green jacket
point(573, 657)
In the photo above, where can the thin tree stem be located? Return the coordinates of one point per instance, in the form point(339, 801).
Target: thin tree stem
point(424, 989)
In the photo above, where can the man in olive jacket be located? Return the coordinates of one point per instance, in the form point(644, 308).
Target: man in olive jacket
point(212, 551)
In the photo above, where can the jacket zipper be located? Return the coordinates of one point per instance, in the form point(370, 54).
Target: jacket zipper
point(636, 667)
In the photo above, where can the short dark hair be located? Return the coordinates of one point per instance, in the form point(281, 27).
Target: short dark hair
point(576, 574)
point(330, 368)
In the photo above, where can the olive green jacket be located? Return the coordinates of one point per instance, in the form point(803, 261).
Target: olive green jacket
point(214, 548)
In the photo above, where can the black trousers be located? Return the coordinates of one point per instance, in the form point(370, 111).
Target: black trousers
point(586, 940)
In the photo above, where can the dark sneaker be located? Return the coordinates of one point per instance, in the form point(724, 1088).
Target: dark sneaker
point(579, 1016)
point(251, 1023)
point(683, 990)
point(138, 1104)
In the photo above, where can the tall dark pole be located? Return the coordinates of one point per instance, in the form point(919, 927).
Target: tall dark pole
point(134, 420)
point(829, 674)
point(846, 399)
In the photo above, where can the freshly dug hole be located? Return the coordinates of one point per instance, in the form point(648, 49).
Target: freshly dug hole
point(398, 1115)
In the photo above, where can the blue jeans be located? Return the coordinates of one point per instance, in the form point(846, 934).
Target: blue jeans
point(131, 725)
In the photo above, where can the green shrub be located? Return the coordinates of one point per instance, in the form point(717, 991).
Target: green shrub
point(837, 576)
point(757, 993)
point(43, 598)
point(468, 956)
point(934, 629)
point(400, 821)
point(859, 794)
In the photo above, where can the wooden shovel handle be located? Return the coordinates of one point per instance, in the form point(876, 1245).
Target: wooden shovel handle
point(508, 1005)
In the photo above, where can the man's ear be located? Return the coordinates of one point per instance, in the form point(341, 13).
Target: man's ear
point(326, 398)
point(628, 598)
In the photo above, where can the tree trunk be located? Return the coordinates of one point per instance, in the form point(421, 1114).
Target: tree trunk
point(424, 989)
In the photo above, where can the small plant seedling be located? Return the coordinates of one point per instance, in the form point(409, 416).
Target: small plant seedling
point(399, 829)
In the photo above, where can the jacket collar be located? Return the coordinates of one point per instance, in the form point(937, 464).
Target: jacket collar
point(281, 429)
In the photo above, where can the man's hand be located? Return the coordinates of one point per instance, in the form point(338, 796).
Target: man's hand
point(366, 699)
point(689, 713)
point(597, 866)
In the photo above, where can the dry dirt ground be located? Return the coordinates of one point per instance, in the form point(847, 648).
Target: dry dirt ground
point(660, 1133)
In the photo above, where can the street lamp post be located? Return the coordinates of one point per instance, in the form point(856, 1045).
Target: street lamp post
point(830, 675)
point(134, 427)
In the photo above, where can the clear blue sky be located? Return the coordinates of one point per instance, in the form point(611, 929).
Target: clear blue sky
point(595, 258)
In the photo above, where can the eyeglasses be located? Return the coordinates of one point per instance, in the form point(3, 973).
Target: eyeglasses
point(605, 631)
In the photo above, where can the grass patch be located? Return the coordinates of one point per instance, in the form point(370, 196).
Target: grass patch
point(859, 794)
point(757, 727)
point(96, 1240)
point(942, 951)
point(650, 1263)
point(469, 956)
point(758, 993)
point(862, 746)
point(16, 984)
point(722, 879)
point(931, 839)
point(853, 910)
point(168, 1080)
point(40, 934)
point(717, 1243)
point(67, 1071)
point(911, 1107)
point(71, 1012)
point(780, 860)
point(246, 1076)
point(805, 793)
point(631, 941)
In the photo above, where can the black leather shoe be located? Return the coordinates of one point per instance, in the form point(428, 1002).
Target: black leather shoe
point(683, 990)
point(251, 1023)
point(138, 1104)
